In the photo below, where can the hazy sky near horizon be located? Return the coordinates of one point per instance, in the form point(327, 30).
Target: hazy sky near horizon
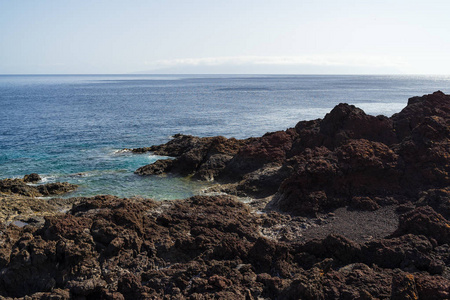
point(233, 36)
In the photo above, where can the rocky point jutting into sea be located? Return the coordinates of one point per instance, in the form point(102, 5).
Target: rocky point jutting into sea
point(350, 206)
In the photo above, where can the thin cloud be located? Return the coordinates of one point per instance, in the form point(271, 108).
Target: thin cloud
point(315, 60)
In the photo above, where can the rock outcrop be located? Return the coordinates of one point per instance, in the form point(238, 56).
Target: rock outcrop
point(21, 187)
point(213, 248)
point(204, 157)
point(322, 164)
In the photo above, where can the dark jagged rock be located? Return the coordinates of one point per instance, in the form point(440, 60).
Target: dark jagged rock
point(347, 122)
point(157, 168)
point(203, 157)
point(438, 199)
point(327, 163)
point(205, 247)
point(364, 203)
point(404, 287)
point(409, 252)
point(56, 188)
point(424, 220)
point(32, 178)
point(375, 164)
point(418, 109)
point(107, 233)
point(270, 148)
point(432, 287)
point(20, 187)
point(324, 179)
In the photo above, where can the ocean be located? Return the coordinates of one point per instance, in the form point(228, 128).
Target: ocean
point(73, 127)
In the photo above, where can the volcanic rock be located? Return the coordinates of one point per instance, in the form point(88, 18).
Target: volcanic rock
point(203, 157)
point(404, 287)
point(210, 247)
point(347, 158)
point(32, 178)
point(20, 187)
point(159, 167)
point(438, 199)
point(425, 221)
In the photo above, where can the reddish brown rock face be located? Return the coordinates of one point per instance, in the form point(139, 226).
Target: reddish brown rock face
point(424, 220)
point(212, 247)
point(323, 164)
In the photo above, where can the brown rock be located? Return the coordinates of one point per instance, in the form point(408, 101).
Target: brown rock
point(438, 199)
point(20, 187)
point(404, 287)
point(425, 221)
point(408, 252)
point(204, 157)
point(419, 108)
point(432, 287)
point(32, 178)
point(363, 203)
point(107, 247)
point(56, 188)
point(270, 148)
point(157, 168)
point(346, 122)
point(324, 164)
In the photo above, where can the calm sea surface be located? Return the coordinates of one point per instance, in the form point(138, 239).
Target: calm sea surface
point(72, 128)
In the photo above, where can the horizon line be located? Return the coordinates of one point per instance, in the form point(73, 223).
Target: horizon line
point(233, 74)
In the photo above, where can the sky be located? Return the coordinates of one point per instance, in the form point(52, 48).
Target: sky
point(224, 37)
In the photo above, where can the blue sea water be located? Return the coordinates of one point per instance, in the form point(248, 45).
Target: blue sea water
point(72, 127)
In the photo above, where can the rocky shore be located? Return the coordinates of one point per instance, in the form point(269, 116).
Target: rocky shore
point(346, 158)
point(350, 206)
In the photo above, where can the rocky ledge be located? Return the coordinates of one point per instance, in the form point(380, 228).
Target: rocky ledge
point(22, 202)
point(346, 158)
point(360, 210)
point(22, 187)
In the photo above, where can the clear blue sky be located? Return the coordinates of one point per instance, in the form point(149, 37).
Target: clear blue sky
point(212, 36)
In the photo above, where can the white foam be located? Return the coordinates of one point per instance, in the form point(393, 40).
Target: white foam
point(48, 178)
point(121, 151)
point(154, 156)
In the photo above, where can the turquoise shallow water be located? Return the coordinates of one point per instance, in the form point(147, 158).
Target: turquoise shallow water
point(71, 128)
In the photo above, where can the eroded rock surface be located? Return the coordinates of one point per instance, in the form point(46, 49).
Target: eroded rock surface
point(21, 203)
point(211, 248)
point(203, 157)
point(346, 158)
point(21, 187)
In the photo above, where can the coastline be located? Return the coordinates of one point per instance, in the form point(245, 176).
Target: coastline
point(322, 186)
point(59, 149)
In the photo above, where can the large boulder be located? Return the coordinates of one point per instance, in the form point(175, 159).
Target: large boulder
point(419, 108)
point(425, 221)
point(346, 122)
point(32, 178)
